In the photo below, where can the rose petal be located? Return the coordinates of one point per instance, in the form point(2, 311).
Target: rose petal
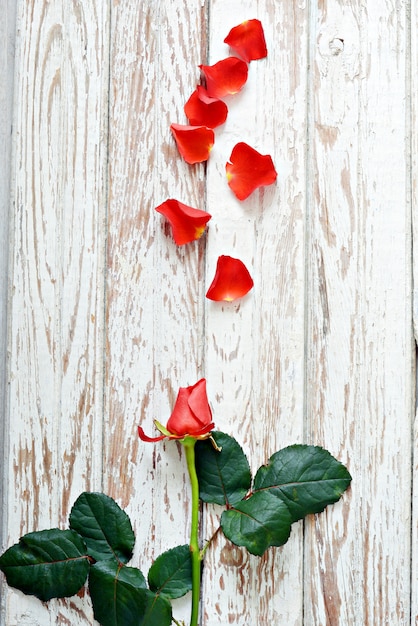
point(247, 40)
point(226, 77)
point(198, 403)
point(194, 142)
point(248, 170)
point(232, 280)
point(145, 437)
point(202, 110)
point(187, 223)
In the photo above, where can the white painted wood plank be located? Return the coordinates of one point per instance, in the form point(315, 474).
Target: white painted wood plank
point(255, 346)
point(160, 332)
point(155, 289)
point(57, 282)
point(413, 146)
point(7, 46)
point(360, 346)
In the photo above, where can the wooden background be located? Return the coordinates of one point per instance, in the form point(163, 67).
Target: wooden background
point(106, 317)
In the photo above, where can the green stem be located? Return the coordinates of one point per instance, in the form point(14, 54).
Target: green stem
point(207, 544)
point(189, 446)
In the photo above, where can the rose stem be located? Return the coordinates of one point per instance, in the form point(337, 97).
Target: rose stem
point(189, 446)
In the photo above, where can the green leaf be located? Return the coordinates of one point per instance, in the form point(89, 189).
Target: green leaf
point(120, 597)
point(47, 564)
point(305, 478)
point(105, 528)
point(224, 477)
point(124, 573)
point(171, 572)
point(257, 523)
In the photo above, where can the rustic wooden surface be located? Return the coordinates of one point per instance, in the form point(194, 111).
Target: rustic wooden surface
point(7, 39)
point(107, 317)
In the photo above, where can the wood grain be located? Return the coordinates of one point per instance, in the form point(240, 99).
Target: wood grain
point(255, 347)
point(154, 289)
point(360, 359)
point(57, 306)
point(7, 39)
point(108, 317)
point(412, 189)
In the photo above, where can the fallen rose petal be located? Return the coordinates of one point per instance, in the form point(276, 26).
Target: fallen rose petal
point(248, 170)
point(247, 40)
point(193, 142)
point(187, 223)
point(232, 280)
point(202, 110)
point(226, 77)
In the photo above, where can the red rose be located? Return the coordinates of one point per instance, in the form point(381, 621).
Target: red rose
point(191, 416)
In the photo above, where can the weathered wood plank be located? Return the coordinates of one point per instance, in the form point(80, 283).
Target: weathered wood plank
point(155, 289)
point(413, 190)
point(7, 46)
point(321, 350)
point(57, 282)
point(255, 346)
point(360, 360)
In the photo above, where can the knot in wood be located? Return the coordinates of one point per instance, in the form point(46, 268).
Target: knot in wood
point(336, 45)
